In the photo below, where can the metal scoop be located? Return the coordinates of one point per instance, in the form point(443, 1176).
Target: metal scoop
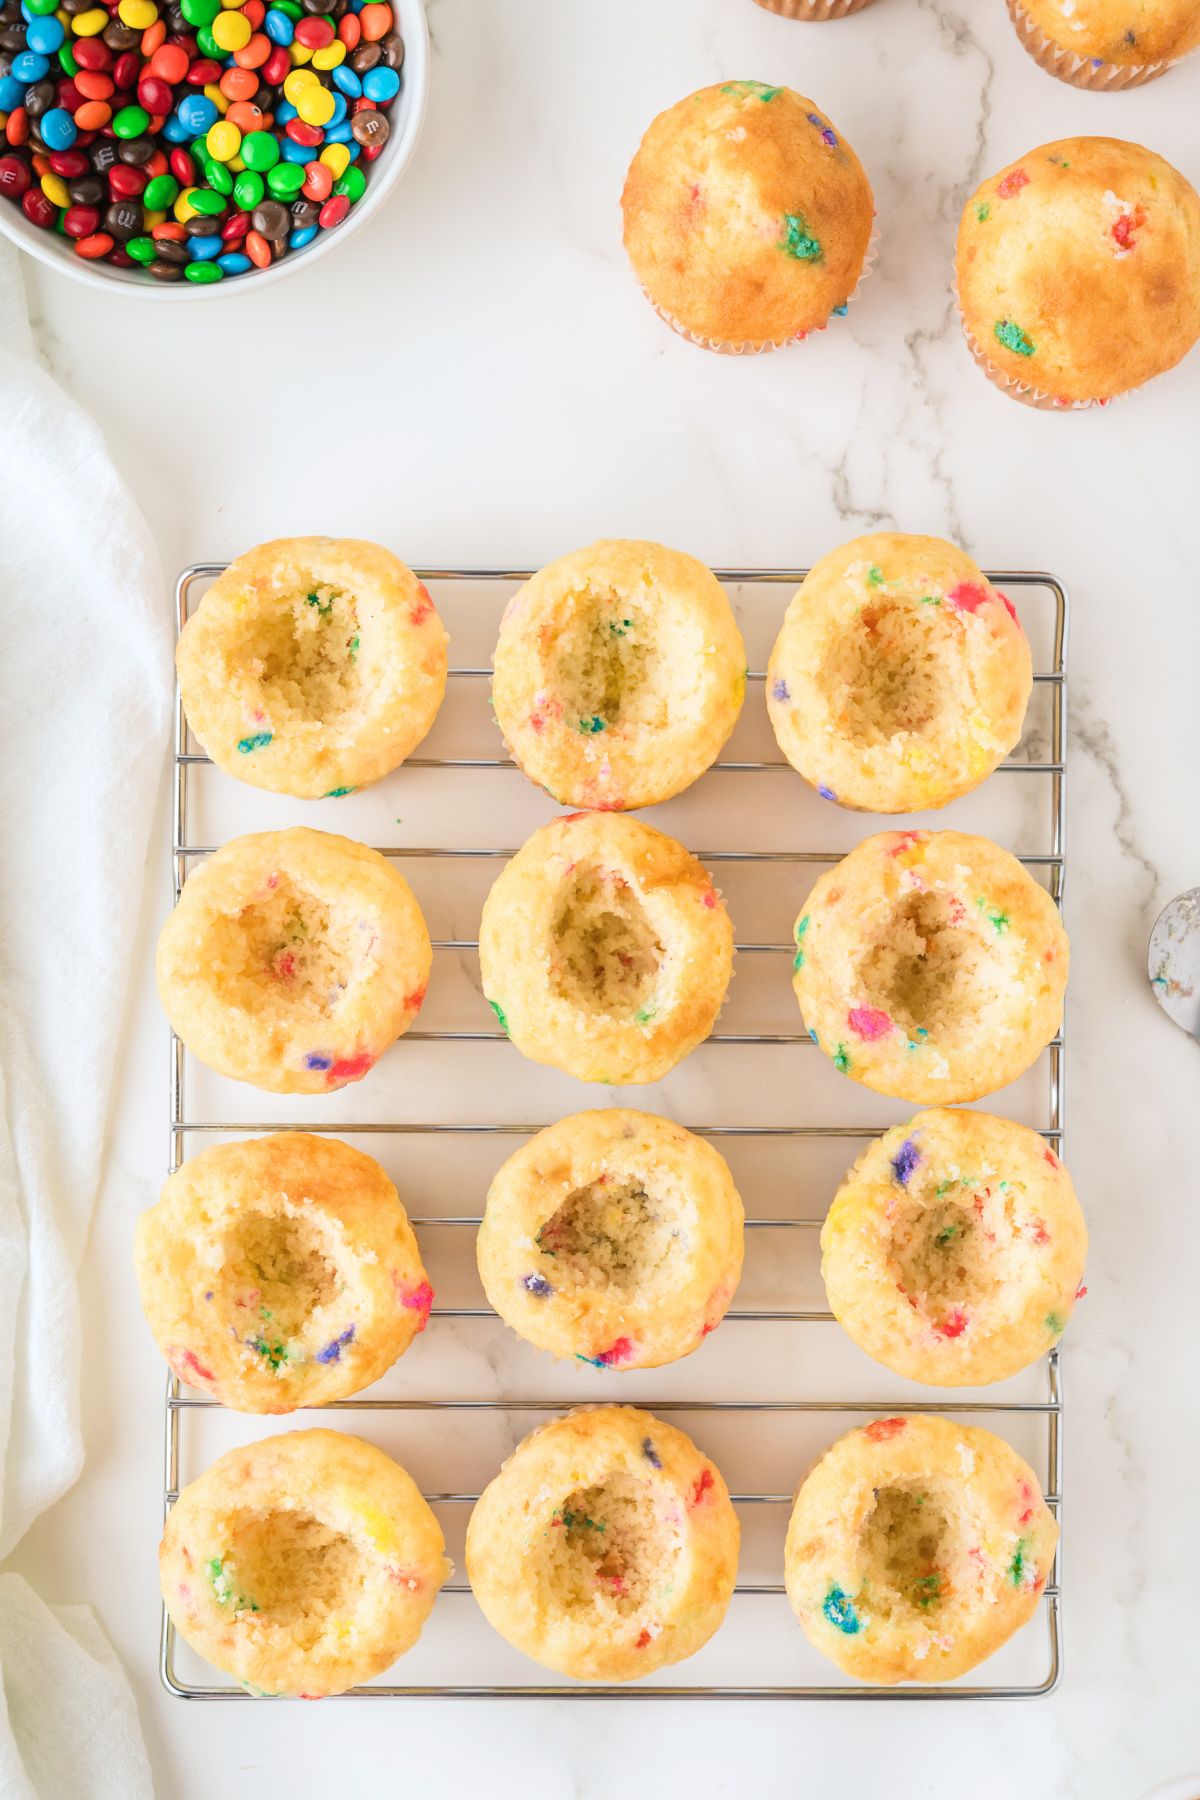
point(1174, 960)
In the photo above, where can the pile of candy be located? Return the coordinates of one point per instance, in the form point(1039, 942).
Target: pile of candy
point(196, 138)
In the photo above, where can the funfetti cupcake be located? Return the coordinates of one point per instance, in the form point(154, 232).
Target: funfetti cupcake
point(748, 217)
point(1078, 271)
point(814, 9)
point(1105, 44)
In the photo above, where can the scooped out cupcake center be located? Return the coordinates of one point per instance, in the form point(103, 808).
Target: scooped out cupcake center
point(288, 945)
point(606, 667)
point(909, 1549)
point(929, 971)
point(302, 652)
point(608, 1548)
point(889, 674)
point(291, 1569)
point(278, 1271)
point(611, 1234)
point(943, 1260)
point(606, 955)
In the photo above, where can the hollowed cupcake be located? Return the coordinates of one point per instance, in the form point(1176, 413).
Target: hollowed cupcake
point(1078, 270)
point(814, 9)
point(303, 1564)
point(1106, 44)
point(281, 1272)
point(954, 1249)
point(900, 677)
point(620, 673)
point(293, 960)
point(614, 1237)
point(606, 1547)
point(916, 1548)
point(747, 217)
point(312, 666)
point(605, 950)
point(930, 966)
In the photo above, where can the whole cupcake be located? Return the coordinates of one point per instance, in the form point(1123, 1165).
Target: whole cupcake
point(900, 676)
point(606, 1547)
point(312, 665)
point(281, 1272)
point(747, 217)
point(930, 966)
point(916, 1548)
point(1078, 270)
point(303, 1564)
point(620, 672)
point(614, 1237)
point(605, 950)
point(954, 1249)
point(1106, 44)
point(293, 960)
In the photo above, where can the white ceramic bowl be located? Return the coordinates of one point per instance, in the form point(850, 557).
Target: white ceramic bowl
point(406, 116)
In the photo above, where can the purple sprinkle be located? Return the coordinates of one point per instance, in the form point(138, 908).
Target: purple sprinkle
point(651, 1454)
point(333, 1350)
point(905, 1161)
point(826, 793)
point(208, 1296)
point(537, 1284)
point(780, 689)
point(317, 1060)
point(828, 135)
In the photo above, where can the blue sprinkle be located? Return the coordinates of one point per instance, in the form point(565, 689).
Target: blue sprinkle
point(333, 1350)
point(595, 1361)
point(839, 312)
point(812, 1034)
point(317, 1060)
point(651, 1454)
point(826, 793)
point(780, 689)
point(208, 1296)
point(839, 1610)
point(828, 135)
point(905, 1161)
point(537, 1284)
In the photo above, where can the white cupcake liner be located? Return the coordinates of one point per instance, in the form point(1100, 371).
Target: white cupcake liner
point(1028, 392)
point(1080, 71)
point(724, 348)
point(813, 9)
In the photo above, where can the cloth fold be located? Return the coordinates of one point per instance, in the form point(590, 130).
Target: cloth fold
point(84, 707)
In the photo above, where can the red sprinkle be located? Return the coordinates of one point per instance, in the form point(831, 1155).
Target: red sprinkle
point(643, 1640)
point(868, 1022)
point(350, 1068)
point(1080, 1291)
point(704, 1482)
point(881, 1429)
point(1012, 184)
point(968, 596)
point(954, 1324)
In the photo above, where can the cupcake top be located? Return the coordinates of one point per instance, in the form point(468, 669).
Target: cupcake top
point(1125, 32)
point(1079, 268)
point(747, 215)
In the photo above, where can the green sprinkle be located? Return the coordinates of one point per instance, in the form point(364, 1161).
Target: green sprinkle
point(592, 725)
point(983, 212)
point(644, 1015)
point(999, 921)
point(841, 1061)
point(322, 606)
point(1055, 1325)
point(275, 1354)
point(931, 599)
point(929, 1588)
point(801, 927)
point(499, 1012)
point(1016, 1568)
point(947, 1232)
point(798, 241)
point(874, 577)
point(354, 647)
point(1013, 338)
point(337, 793)
point(620, 630)
point(750, 90)
point(258, 741)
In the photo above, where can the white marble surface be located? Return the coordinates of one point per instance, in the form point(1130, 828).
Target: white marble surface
point(477, 378)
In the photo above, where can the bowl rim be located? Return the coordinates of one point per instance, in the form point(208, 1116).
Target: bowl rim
point(44, 246)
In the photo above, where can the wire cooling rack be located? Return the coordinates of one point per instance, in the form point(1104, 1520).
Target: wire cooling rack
point(756, 1407)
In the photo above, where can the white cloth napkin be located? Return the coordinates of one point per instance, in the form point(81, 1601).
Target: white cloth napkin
point(84, 704)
